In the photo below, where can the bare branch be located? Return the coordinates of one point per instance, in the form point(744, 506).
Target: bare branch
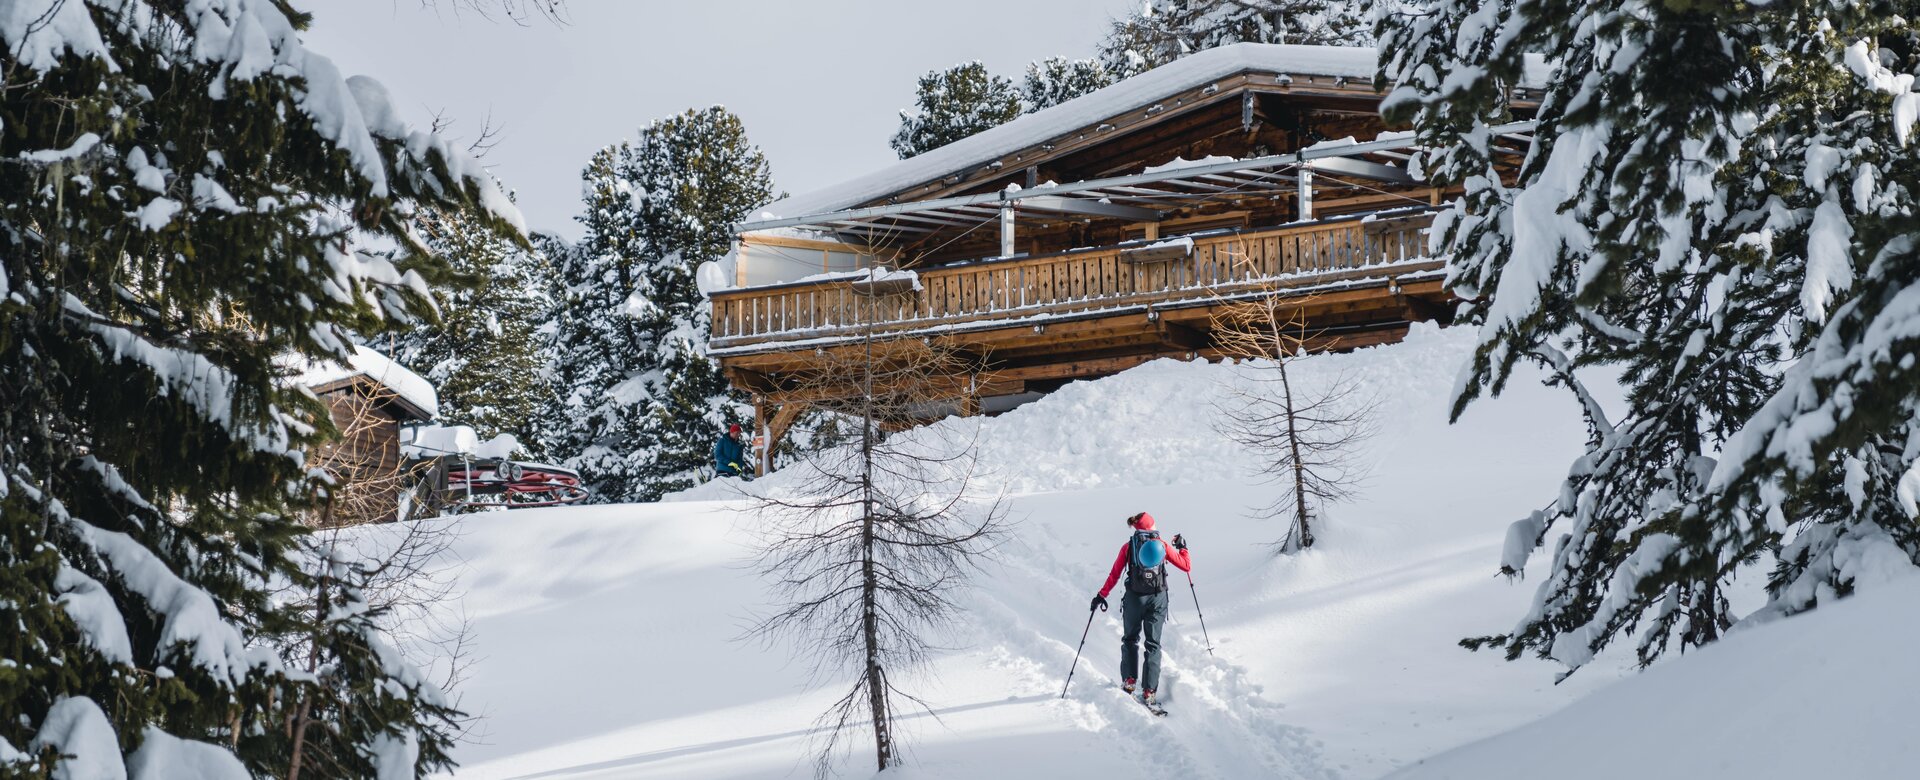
point(1304, 439)
point(870, 553)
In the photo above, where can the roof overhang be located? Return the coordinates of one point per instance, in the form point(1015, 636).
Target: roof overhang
point(1246, 79)
point(1140, 197)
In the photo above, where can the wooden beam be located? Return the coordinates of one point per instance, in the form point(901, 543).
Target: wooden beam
point(1078, 368)
point(1176, 335)
point(763, 460)
point(1424, 310)
point(777, 428)
point(749, 380)
point(1157, 253)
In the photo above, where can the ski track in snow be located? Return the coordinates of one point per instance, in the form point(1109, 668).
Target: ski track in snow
point(1218, 724)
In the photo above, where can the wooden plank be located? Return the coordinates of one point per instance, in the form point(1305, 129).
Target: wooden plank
point(1156, 254)
point(1076, 369)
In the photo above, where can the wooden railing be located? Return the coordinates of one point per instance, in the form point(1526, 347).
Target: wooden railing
point(1295, 255)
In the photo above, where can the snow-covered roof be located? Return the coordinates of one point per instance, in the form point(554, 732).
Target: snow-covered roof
point(409, 386)
point(1040, 126)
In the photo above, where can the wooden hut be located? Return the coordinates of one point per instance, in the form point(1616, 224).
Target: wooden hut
point(370, 398)
point(1107, 231)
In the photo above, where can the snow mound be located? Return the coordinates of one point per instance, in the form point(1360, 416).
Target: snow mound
point(1150, 425)
point(1829, 693)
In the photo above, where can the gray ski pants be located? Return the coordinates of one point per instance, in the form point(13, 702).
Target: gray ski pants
point(1142, 613)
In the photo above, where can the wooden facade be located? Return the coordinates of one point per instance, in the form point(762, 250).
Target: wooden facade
point(1218, 191)
point(371, 474)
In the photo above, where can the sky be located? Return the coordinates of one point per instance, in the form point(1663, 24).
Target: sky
point(819, 83)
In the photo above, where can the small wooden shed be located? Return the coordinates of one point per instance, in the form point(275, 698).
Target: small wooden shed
point(370, 398)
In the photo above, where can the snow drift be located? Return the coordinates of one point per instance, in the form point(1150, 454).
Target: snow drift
point(1843, 676)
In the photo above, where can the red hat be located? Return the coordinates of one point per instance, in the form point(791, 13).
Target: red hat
point(1142, 521)
point(733, 428)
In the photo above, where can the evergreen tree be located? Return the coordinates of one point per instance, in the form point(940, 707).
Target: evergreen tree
point(1162, 32)
point(1719, 208)
point(483, 353)
point(641, 401)
point(1056, 80)
point(952, 104)
point(184, 191)
point(595, 345)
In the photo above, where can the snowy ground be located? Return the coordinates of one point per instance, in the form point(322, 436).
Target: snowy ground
point(1827, 694)
point(610, 635)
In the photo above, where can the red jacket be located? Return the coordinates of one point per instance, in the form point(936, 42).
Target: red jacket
point(1176, 557)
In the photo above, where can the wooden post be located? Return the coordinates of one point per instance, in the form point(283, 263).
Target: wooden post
point(781, 423)
point(970, 403)
point(763, 459)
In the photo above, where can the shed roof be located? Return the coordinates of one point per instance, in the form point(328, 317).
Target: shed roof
point(409, 389)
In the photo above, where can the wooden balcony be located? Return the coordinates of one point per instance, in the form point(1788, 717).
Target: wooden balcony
point(1377, 258)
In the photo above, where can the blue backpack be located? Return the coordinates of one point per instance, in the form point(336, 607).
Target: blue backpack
point(1146, 563)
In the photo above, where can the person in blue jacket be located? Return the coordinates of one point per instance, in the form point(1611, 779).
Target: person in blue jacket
point(730, 454)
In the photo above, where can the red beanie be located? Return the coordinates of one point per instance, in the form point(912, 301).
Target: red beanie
point(733, 428)
point(1142, 521)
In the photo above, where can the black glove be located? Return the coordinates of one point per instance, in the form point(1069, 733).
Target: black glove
point(1179, 543)
point(1099, 603)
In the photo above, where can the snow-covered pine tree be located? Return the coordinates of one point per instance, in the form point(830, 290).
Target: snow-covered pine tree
point(952, 104)
point(595, 346)
point(698, 175)
point(1718, 207)
point(1161, 32)
point(641, 401)
point(183, 193)
point(1056, 80)
point(483, 353)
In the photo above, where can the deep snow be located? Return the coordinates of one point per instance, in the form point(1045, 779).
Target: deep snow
point(610, 635)
point(1826, 694)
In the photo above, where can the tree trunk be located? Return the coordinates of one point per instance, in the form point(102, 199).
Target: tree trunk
point(876, 677)
point(301, 713)
point(869, 582)
point(1302, 536)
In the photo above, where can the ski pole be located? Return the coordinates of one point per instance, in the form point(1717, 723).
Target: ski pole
point(1198, 611)
point(1076, 653)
